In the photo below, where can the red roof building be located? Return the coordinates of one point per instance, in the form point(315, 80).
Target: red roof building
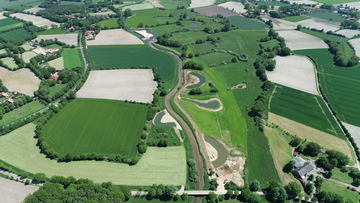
point(9, 100)
point(3, 94)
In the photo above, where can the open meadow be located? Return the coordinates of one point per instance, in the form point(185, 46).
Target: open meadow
point(294, 71)
point(9, 23)
point(72, 58)
point(9, 61)
point(94, 125)
point(15, 34)
point(14, 192)
point(22, 80)
point(246, 23)
point(342, 190)
point(126, 84)
point(38, 21)
point(156, 166)
point(21, 112)
point(26, 56)
point(150, 17)
point(112, 22)
point(297, 40)
point(70, 39)
point(114, 37)
point(304, 108)
point(339, 84)
point(57, 63)
point(313, 135)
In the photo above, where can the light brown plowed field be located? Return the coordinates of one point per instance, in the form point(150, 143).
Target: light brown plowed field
point(23, 80)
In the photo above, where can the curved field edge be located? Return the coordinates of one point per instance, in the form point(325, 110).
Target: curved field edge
point(157, 165)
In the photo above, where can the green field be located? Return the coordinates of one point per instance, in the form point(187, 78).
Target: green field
point(54, 32)
point(173, 4)
point(304, 108)
point(340, 85)
point(15, 34)
point(295, 19)
point(21, 112)
point(72, 58)
point(6, 3)
point(95, 125)
point(156, 166)
point(54, 89)
point(327, 16)
point(112, 22)
point(329, 2)
point(342, 190)
point(216, 58)
point(246, 23)
point(72, 2)
point(269, 3)
point(340, 176)
point(134, 55)
point(9, 23)
point(150, 17)
point(9, 62)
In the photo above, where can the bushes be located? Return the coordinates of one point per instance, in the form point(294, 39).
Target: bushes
point(193, 172)
point(335, 48)
point(193, 65)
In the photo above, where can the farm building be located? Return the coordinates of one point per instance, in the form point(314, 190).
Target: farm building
point(9, 100)
point(302, 171)
point(3, 94)
point(298, 162)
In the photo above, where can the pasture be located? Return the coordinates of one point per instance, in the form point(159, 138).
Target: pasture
point(215, 58)
point(94, 125)
point(14, 192)
point(150, 17)
point(335, 17)
point(313, 135)
point(294, 71)
point(297, 40)
point(135, 55)
point(295, 19)
point(72, 58)
point(22, 80)
point(15, 34)
point(54, 31)
point(21, 112)
point(173, 4)
point(70, 39)
point(9, 61)
point(38, 21)
point(304, 108)
point(57, 63)
point(112, 22)
point(234, 6)
point(214, 10)
point(339, 84)
point(156, 166)
point(114, 37)
point(26, 56)
point(126, 84)
point(342, 190)
point(246, 23)
point(9, 23)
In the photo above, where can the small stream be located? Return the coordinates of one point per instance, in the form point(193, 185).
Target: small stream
point(222, 155)
point(200, 83)
point(215, 104)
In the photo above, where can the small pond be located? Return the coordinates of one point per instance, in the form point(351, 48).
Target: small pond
point(199, 84)
point(222, 155)
point(194, 24)
point(157, 121)
point(215, 104)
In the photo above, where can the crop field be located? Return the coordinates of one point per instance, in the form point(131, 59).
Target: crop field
point(246, 23)
point(26, 56)
point(57, 63)
point(94, 125)
point(270, 3)
point(22, 80)
point(9, 23)
point(335, 1)
point(70, 39)
point(342, 190)
point(348, 33)
point(327, 16)
point(326, 140)
point(304, 108)
point(295, 19)
point(142, 6)
point(150, 18)
point(340, 85)
point(156, 166)
point(10, 62)
point(201, 3)
point(72, 2)
point(356, 44)
point(133, 55)
point(214, 10)
point(13, 192)
point(21, 112)
point(5, 3)
point(280, 24)
point(53, 32)
point(15, 34)
point(173, 4)
point(234, 6)
point(216, 58)
point(72, 58)
point(114, 37)
point(294, 71)
point(34, 10)
point(38, 21)
point(320, 24)
point(354, 131)
point(297, 40)
point(112, 22)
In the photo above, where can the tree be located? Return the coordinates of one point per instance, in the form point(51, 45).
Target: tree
point(309, 188)
point(207, 30)
point(170, 190)
point(195, 91)
point(1, 113)
point(212, 197)
point(255, 185)
point(312, 149)
point(127, 13)
point(328, 174)
point(24, 174)
point(39, 177)
point(254, 198)
point(277, 192)
point(298, 27)
point(289, 167)
point(293, 188)
point(295, 142)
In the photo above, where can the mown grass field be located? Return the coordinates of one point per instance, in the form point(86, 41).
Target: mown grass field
point(72, 58)
point(9, 23)
point(156, 166)
point(54, 32)
point(95, 125)
point(10, 62)
point(215, 58)
point(21, 112)
point(135, 55)
point(334, 187)
point(295, 19)
point(112, 22)
point(340, 176)
point(173, 4)
point(304, 108)
point(246, 23)
point(149, 17)
point(340, 85)
point(15, 34)
point(327, 16)
point(54, 89)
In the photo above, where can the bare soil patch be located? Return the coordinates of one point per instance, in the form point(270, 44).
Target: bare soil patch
point(296, 72)
point(157, 4)
point(348, 33)
point(26, 56)
point(57, 63)
point(297, 40)
point(234, 6)
point(312, 135)
point(38, 21)
point(214, 10)
point(22, 80)
point(102, 13)
point(2, 16)
point(354, 131)
point(114, 37)
point(39, 50)
point(201, 3)
point(143, 6)
point(356, 45)
point(126, 84)
point(145, 34)
point(211, 151)
point(280, 24)
point(70, 39)
point(14, 192)
point(34, 10)
point(320, 24)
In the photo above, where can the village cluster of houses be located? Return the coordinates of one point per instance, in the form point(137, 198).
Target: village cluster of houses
point(9, 100)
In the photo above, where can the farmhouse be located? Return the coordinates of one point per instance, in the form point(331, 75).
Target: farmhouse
point(301, 171)
point(298, 162)
point(3, 94)
point(9, 100)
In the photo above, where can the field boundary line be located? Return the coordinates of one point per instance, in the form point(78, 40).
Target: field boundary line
point(322, 110)
point(339, 76)
point(272, 93)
